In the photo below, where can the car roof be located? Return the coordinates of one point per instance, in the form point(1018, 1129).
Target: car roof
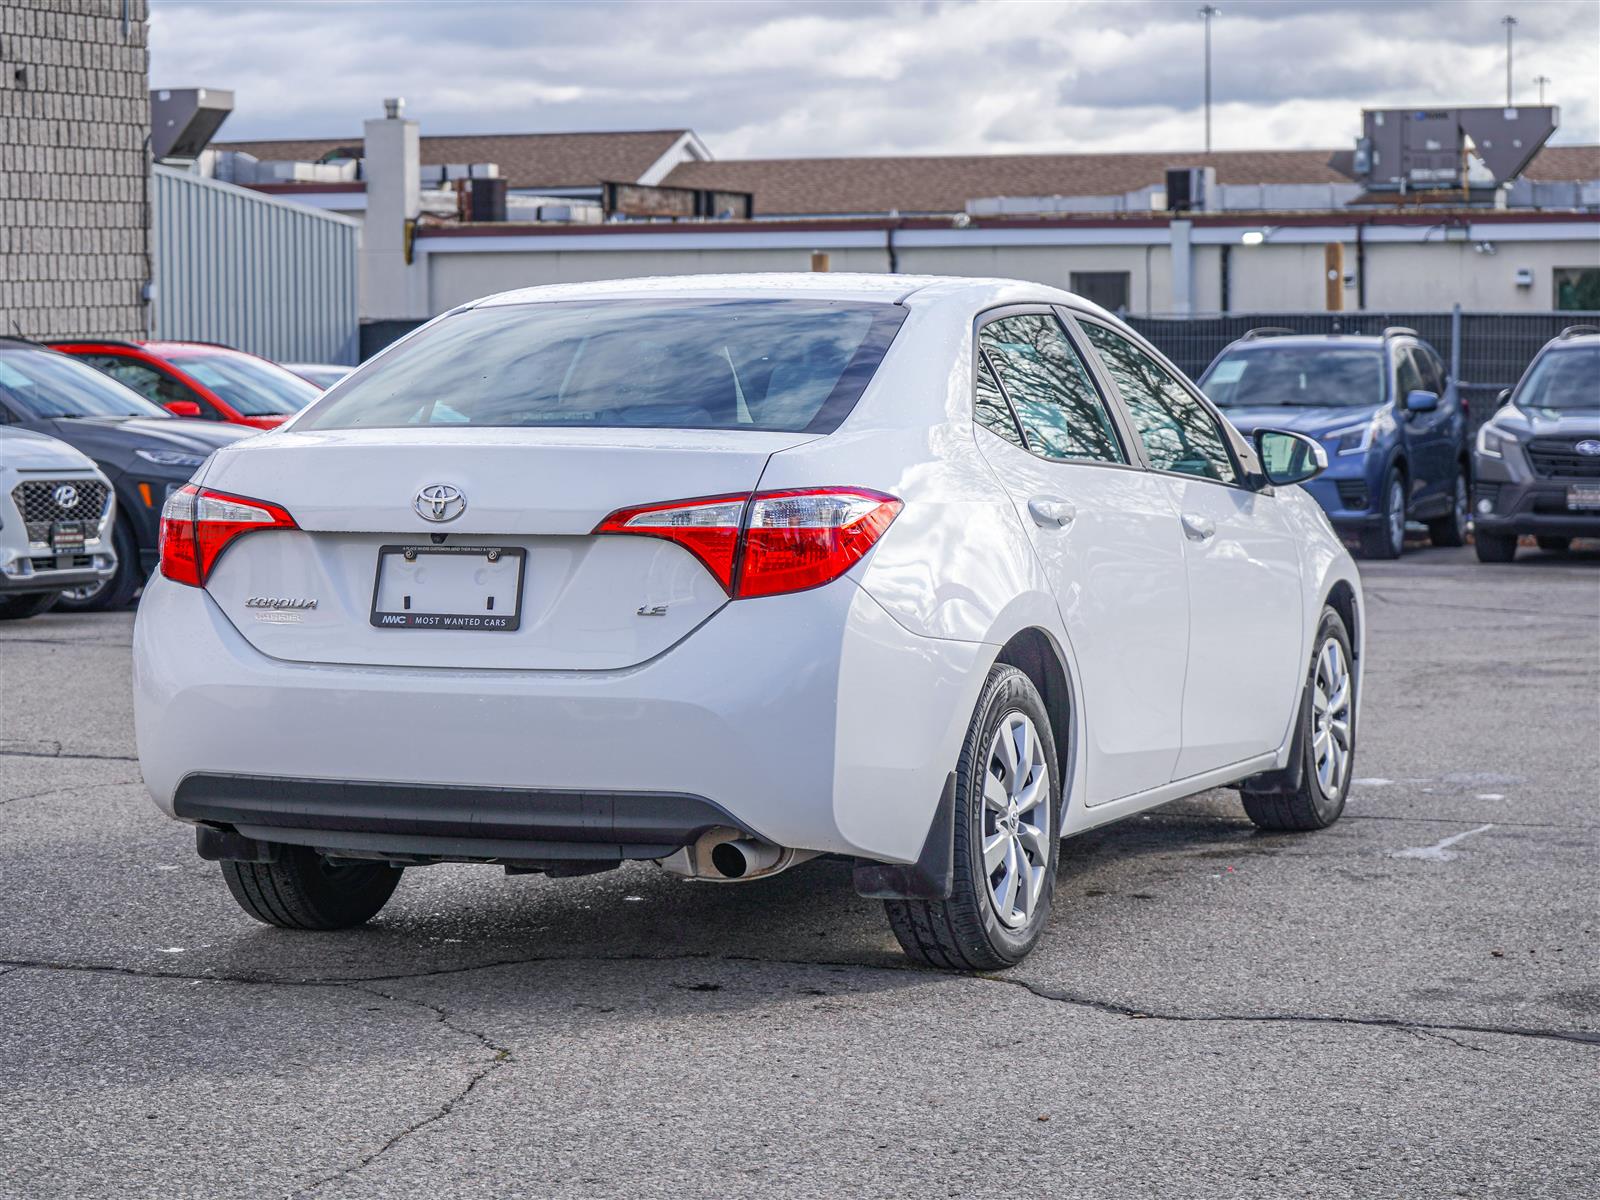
point(1573, 341)
point(1315, 339)
point(800, 285)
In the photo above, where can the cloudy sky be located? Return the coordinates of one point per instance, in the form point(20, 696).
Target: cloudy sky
point(901, 77)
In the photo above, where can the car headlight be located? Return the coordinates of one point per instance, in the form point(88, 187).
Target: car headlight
point(1353, 439)
point(1492, 442)
point(171, 458)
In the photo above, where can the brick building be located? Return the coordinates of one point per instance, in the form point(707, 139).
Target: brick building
point(74, 168)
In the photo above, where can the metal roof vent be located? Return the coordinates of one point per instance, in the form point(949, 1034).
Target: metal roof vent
point(183, 120)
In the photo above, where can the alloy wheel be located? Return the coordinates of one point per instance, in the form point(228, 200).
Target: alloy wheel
point(1331, 744)
point(1016, 820)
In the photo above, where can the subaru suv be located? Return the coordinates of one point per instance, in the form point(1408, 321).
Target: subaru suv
point(1537, 460)
point(1389, 416)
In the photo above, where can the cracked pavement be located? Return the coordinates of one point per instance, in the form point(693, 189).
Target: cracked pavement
point(1384, 1008)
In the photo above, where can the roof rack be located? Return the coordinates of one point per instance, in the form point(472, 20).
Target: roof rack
point(1268, 331)
point(1400, 331)
point(1572, 331)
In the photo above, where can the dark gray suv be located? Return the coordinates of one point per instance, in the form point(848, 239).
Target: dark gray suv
point(1536, 464)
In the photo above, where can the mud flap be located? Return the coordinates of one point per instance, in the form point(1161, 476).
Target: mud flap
point(932, 876)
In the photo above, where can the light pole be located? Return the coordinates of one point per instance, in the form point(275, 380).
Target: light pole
point(1207, 11)
point(1510, 23)
point(1541, 80)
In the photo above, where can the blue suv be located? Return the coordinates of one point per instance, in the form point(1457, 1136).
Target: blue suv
point(1383, 408)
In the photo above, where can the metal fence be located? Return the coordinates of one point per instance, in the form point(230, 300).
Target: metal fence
point(1486, 351)
point(269, 276)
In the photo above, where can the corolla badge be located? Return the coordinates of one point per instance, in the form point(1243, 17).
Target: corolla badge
point(440, 502)
point(1588, 446)
point(66, 496)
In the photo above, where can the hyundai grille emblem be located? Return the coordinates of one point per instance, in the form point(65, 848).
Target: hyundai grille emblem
point(440, 502)
point(67, 496)
point(1589, 447)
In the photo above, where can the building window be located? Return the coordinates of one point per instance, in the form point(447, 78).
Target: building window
point(1577, 288)
point(1108, 289)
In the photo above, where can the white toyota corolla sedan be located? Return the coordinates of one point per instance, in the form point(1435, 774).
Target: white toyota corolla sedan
point(728, 572)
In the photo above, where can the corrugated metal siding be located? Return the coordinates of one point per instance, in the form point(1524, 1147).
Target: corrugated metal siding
point(265, 275)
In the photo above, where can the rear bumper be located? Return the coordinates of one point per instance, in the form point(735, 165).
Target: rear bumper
point(814, 721)
point(509, 825)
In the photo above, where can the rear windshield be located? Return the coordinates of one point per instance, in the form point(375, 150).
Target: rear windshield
point(254, 387)
point(783, 365)
point(1309, 376)
point(1564, 379)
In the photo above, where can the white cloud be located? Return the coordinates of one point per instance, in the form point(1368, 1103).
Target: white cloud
point(893, 77)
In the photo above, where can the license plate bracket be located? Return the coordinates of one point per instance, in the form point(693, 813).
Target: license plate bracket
point(1583, 497)
point(474, 589)
point(66, 536)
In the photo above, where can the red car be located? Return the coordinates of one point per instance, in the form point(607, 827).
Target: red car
point(201, 379)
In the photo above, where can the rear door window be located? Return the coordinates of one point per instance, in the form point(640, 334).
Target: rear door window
point(1061, 413)
point(780, 365)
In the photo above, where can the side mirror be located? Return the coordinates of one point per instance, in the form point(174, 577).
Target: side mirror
point(1420, 401)
point(1289, 457)
point(1503, 399)
point(183, 408)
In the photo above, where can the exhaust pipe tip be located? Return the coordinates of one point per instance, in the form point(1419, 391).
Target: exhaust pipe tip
point(736, 859)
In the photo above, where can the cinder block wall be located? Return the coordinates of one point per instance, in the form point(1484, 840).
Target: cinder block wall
point(74, 167)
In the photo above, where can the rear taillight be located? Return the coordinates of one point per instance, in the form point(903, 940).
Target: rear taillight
point(771, 542)
point(198, 524)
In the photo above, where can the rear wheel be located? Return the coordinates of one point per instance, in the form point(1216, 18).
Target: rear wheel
point(1554, 545)
point(1451, 529)
point(1311, 794)
point(304, 890)
point(20, 608)
point(1006, 839)
point(1388, 538)
point(116, 591)
point(1495, 547)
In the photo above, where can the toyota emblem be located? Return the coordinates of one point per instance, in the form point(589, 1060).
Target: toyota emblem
point(1588, 446)
point(440, 502)
point(65, 496)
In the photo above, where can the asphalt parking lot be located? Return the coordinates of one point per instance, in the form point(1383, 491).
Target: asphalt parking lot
point(1407, 1004)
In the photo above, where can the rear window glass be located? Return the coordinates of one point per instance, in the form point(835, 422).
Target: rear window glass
point(1309, 376)
point(781, 365)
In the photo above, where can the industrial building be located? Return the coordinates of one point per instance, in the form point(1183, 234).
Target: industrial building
point(1144, 233)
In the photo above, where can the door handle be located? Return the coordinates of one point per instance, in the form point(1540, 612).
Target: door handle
point(1052, 513)
point(1198, 528)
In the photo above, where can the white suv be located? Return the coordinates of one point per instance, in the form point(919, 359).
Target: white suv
point(727, 572)
point(56, 512)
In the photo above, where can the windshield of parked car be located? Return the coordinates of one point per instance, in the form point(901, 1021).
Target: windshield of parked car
point(783, 365)
point(1563, 379)
point(1302, 376)
point(44, 385)
point(253, 387)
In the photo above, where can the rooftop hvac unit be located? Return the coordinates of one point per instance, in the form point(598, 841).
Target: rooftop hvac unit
point(183, 120)
point(488, 199)
point(1419, 150)
point(1189, 188)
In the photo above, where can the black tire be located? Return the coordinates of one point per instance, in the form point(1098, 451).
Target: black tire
point(20, 608)
point(1495, 547)
point(1554, 545)
point(304, 890)
point(1296, 799)
point(1388, 538)
point(966, 932)
point(117, 591)
point(1451, 529)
